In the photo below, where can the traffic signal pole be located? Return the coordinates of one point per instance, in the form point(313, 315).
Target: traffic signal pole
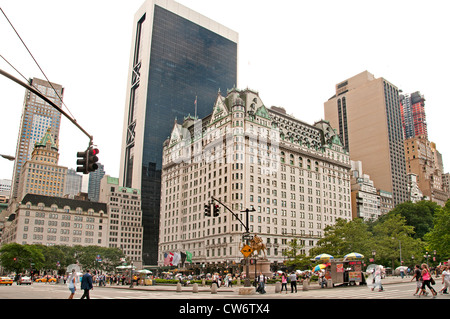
point(245, 237)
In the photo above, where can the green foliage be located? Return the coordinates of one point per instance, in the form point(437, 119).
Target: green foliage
point(40, 257)
point(419, 215)
point(296, 260)
point(439, 237)
point(345, 237)
point(15, 257)
point(405, 233)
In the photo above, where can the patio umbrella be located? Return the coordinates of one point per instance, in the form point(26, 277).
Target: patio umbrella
point(323, 257)
point(353, 256)
point(145, 271)
point(319, 267)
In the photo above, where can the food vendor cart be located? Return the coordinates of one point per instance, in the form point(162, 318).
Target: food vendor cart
point(345, 272)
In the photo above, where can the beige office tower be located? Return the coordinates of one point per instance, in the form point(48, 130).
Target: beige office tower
point(366, 112)
point(425, 161)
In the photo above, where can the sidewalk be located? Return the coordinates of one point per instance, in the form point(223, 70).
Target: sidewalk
point(270, 288)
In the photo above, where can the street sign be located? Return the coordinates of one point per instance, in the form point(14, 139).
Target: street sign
point(246, 250)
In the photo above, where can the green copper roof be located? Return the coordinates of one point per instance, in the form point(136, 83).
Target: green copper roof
point(47, 139)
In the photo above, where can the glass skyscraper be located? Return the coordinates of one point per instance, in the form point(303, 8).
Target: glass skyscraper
point(179, 61)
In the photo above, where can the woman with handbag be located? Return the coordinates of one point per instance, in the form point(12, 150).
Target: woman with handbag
point(427, 280)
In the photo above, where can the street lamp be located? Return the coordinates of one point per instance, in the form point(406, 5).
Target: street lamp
point(8, 157)
point(427, 256)
point(373, 255)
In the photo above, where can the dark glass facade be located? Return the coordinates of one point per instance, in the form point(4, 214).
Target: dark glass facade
point(186, 61)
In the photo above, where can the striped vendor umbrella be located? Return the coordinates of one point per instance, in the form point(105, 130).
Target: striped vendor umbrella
point(323, 257)
point(354, 256)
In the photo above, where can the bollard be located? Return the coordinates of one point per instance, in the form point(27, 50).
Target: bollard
point(203, 282)
point(178, 287)
point(305, 285)
point(195, 288)
point(277, 287)
point(213, 289)
point(329, 283)
point(238, 281)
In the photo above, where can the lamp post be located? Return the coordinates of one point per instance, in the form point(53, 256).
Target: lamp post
point(131, 274)
point(373, 255)
point(8, 157)
point(427, 256)
point(246, 235)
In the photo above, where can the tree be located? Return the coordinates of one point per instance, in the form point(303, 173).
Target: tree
point(345, 237)
point(392, 236)
point(17, 258)
point(419, 215)
point(439, 237)
point(296, 259)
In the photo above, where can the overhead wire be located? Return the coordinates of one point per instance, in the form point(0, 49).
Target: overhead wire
point(56, 92)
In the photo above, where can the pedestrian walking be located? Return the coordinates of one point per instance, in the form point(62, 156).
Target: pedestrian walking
point(427, 279)
point(86, 284)
point(284, 280)
point(293, 280)
point(445, 280)
point(418, 276)
point(261, 283)
point(73, 279)
point(377, 278)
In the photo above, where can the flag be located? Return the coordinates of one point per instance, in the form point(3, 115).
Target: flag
point(176, 259)
point(188, 256)
point(168, 257)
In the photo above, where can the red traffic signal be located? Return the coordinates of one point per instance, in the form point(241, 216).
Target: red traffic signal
point(92, 159)
point(216, 210)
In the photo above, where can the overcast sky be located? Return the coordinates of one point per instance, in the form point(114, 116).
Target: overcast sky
point(292, 52)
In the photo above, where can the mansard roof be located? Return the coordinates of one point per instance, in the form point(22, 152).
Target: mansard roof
point(61, 202)
point(47, 139)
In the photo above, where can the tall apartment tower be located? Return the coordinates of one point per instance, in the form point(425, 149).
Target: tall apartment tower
point(125, 218)
point(413, 115)
point(366, 110)
point(37, 117)
point(179, 61)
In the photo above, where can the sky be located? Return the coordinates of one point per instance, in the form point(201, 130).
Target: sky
point(293, 52)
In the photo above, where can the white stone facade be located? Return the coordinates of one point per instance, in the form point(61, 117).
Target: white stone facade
point(295, 175)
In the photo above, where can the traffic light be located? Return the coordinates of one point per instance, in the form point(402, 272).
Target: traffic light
point(92, 159)
point(208, 210)
point(83, 162)
point(216, 210)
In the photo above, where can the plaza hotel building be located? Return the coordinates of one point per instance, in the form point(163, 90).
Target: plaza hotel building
point(295, 175)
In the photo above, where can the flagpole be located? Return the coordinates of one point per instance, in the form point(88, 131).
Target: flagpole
point(195, 116)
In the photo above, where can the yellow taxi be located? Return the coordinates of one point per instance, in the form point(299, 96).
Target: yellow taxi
point(6, 281)
point(46, 279)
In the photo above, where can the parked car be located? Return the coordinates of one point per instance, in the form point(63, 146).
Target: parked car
point(6, 281)
point(25, 280)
